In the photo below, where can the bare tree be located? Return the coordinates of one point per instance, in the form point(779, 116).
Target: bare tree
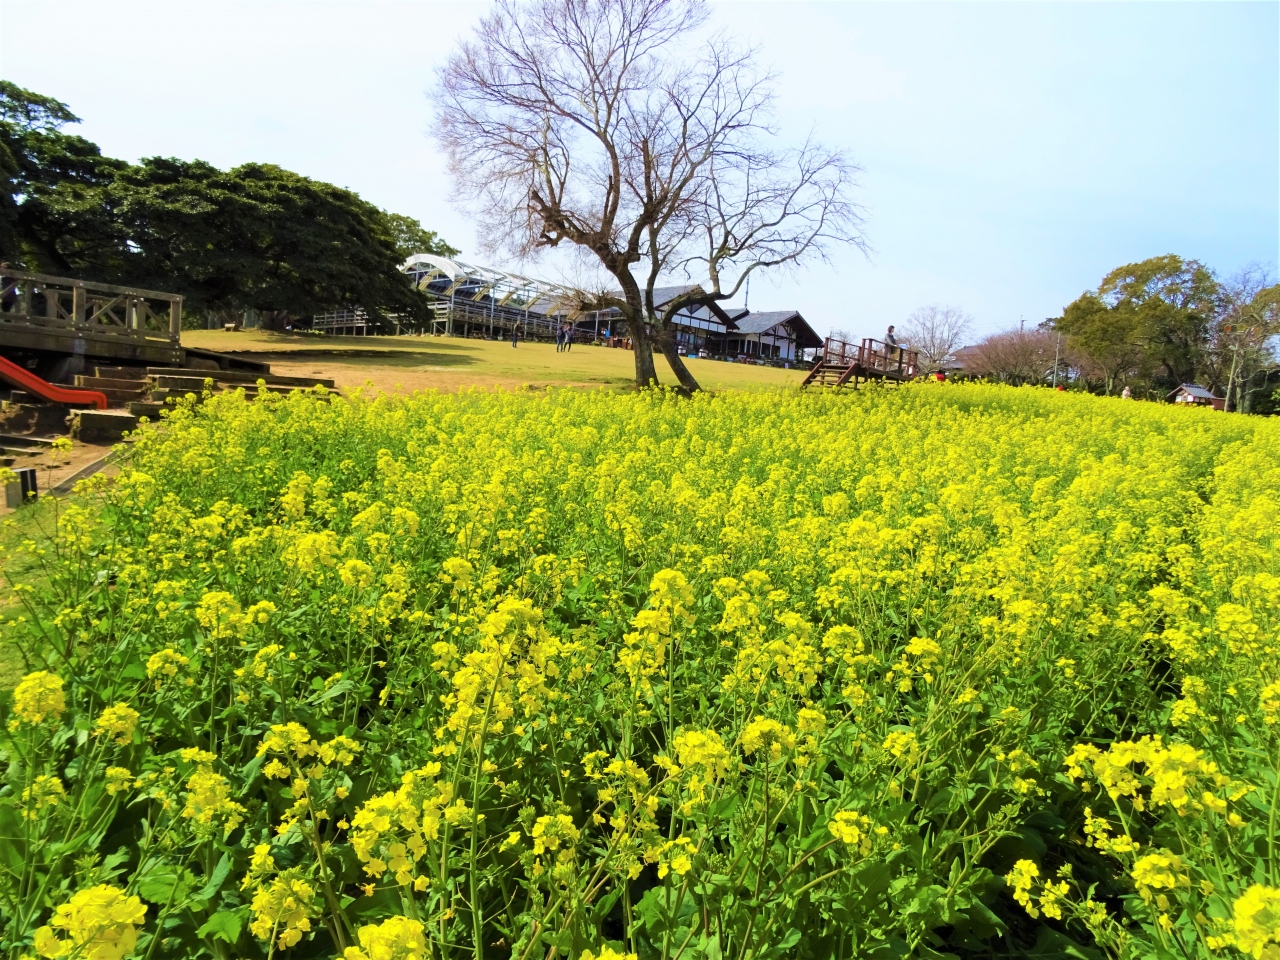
point(1242, 335)
point(934, 333)
point(597, 124)
point(1013, 356)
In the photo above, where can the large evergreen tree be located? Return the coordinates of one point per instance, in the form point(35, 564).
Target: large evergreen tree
point(256, 236)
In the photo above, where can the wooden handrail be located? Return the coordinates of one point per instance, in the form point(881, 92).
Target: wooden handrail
point(871, 354)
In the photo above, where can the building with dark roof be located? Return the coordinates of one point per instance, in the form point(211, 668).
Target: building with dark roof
point(1195, 395)
point(474, 301)
point(770, 335)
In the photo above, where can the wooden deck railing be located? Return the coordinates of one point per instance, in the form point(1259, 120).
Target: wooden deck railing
point(63, 305)
point(873, 357)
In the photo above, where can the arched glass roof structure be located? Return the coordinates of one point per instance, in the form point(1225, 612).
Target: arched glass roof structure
point(445, 278)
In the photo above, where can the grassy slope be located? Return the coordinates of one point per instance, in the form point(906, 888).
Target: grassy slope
point(447, 363)
point(35, 523)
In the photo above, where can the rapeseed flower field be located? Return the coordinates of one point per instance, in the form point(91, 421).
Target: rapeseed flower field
point(938, 671)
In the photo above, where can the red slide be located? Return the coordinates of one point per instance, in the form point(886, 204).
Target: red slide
point(21, 377)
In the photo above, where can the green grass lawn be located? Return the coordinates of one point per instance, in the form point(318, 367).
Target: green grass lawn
point(449, 363)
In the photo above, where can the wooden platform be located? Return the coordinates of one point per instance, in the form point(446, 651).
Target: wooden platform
point(846, 364)
point(59, 315)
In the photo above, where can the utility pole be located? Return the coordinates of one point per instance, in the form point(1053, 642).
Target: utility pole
point(1057, 349)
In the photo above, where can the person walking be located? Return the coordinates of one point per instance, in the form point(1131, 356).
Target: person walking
point(559, 338)
point(515, 336)
point(568, 338)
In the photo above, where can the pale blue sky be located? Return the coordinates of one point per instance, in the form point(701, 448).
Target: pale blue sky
point(1013, 152)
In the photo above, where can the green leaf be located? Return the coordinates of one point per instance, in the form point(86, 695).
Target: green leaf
point(225, 925)
point(215, 879)
point(337, 690)
point(161, 883)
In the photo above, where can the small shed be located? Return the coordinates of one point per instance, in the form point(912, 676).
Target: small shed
point(1196, 395)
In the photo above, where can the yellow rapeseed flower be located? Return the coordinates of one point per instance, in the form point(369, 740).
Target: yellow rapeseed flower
point(99, 923)
point(38, 696)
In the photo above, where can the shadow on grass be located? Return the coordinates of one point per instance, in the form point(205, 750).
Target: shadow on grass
point(391, 357)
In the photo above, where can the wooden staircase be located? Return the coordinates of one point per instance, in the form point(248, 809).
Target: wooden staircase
point(841, 363)
point(826, 374)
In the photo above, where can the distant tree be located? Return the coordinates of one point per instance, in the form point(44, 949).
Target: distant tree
point(935, 332)
point(256, 236)
point(51, 215)
point(1013, 356)
point(410, 237)
point(597, 124)
point(1149, 319)
point(1112, 340)
point(1243, 355)
point(839, 334)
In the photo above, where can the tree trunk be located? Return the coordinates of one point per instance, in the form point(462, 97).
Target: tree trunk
point(666, 342)
point(642, 347)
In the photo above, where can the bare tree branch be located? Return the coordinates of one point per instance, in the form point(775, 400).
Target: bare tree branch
point(604, 125)
point(935, 332)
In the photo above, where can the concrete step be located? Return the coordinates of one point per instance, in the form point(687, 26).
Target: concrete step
point(102, 426)
point(120, 373)
point(26, 442)
point(244, 377)
point(112, 383)
point(148, 409)
point(186, 384)
point(115, 398)
point(160, 396)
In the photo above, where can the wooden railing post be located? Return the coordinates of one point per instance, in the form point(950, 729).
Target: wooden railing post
point(175, 318)
point(77, 305)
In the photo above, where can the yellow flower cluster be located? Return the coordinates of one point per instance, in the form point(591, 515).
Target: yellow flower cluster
point(762, 732)
point(39, 696)
point(118, 722)
point(391, 831)
point(470, 673)
point(1256, 918)
point(398, 938)
point(853, 829)
point(100, 923)
point(282, 910)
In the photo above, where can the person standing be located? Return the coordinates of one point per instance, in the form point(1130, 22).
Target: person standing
point(515, 336)
point(568, 337)
point(891, 349)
